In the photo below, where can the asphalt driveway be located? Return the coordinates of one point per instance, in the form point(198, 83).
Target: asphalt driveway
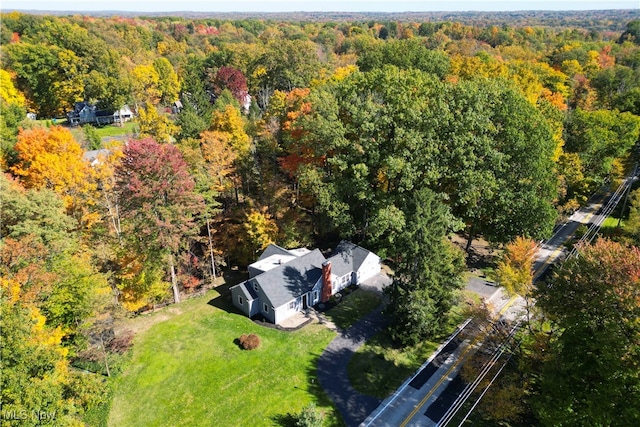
point(332, 369)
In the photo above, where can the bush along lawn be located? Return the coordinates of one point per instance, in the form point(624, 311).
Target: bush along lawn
point(191, 370)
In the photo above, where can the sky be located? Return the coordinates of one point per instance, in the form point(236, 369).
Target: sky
point(316, 5)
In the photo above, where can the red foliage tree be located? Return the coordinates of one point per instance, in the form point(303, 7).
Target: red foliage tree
point(158, 200)
point(232, 79)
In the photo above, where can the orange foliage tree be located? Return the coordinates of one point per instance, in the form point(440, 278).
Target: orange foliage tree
point(52, 158)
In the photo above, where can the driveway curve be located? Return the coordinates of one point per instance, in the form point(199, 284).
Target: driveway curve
point(332, 369)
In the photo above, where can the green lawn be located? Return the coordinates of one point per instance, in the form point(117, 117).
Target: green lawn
point(112, 130)
point(352, 307)
point(187, 371)
point(610, 227)
point(378, 367)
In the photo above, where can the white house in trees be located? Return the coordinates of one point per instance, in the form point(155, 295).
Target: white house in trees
point(283, 282)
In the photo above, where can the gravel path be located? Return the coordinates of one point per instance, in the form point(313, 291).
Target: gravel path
point(332, 369)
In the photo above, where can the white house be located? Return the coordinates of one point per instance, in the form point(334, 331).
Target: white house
point(283, 282)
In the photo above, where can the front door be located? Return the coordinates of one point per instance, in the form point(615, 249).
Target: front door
point(304, 301)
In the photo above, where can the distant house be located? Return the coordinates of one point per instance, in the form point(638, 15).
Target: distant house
point(94, 156)
point(283, 282)
point(176, 107)
point(123, 115)
point(86, 113)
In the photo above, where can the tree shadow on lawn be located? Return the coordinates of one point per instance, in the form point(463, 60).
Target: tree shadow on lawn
point(223, 301)
point(323, 403)
point(285, 420)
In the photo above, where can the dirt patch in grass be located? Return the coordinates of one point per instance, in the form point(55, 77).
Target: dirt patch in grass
point(482, 256)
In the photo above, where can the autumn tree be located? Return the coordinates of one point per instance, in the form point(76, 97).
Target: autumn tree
point(592, 375)
point(51, 158)
point(43, 307)
point(515, 270)
point(49, 288)
point(145, 84)
point(12, 104)
point(8, 92)
point(219, 154)
point(157, 201)
point(232, 79)
point(260, 230)
point(168, 83)
point(154, 124)
point(230, 121)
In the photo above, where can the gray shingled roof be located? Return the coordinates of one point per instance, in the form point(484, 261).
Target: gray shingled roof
point(289, 281)
point(347, 257)
point(274, 249)
point(247, 290)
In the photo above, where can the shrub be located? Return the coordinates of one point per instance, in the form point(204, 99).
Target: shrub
point(309, 417)
point(249, 342)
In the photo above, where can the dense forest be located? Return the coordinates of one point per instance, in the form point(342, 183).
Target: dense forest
point(392, 133)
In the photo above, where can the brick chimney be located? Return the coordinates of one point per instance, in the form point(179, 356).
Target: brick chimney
point(326, 281)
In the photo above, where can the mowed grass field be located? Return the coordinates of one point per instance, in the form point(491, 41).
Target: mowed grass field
point(186, 370)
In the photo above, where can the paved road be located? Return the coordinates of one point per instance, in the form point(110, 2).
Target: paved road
point(423, 399)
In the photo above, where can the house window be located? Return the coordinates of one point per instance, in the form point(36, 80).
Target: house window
point(292, 305)
point(240, 301)
point(344, 279)
point(315, 295)
point(265, 307)
point(255, 286)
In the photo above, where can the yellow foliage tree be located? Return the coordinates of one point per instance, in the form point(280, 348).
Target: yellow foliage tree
point(156, 125)
point(515, 270)
point(261, 230)
point(52, 158)
point(8, 91)
point(231, 122)
point(140, 284)
point(145, 81)
point(219, 154)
